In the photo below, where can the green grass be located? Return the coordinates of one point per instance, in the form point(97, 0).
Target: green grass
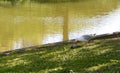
point(98, 56)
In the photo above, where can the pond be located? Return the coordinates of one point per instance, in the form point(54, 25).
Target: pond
point(41, 23)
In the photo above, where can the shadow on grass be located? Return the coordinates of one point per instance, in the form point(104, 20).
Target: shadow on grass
point(103, 58)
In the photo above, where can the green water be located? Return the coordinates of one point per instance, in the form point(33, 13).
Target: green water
point(40, 23)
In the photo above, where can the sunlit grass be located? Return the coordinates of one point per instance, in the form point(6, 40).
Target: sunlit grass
point(99, 56)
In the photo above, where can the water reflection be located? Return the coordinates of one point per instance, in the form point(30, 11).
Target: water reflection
point(50, 38)
point(47, 23)
point(105, 24)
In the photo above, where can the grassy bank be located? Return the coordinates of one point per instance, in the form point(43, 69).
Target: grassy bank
point(98, 56)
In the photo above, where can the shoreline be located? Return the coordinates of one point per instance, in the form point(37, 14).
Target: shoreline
point(92, 38)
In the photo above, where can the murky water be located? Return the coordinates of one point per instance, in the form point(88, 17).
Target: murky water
point(36, 24)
